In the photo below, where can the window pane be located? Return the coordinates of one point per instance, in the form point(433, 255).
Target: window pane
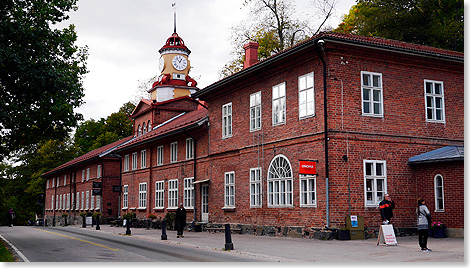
point(368, 169)
point(430, 113)
point(379, 169)
point(310, 81)
point(377, 109)
point(429, 102)
point(437, 89)
point(365, 79)
point(366, 94)
point(310, 95)
point(438, 102)
point(282, 90)
point(302, 83)
point(376, 81)
point(377, 94)
point(438, 114)
point(275, 92)
point(429, 87)
point(302, 97)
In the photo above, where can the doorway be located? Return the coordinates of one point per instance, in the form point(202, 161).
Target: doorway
point(205, 203)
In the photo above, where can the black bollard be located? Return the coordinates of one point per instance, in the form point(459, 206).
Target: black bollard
point(128, 227)
point(45, 223)
point(83, 222)
point(53, 222)
point(164, 237)
point(228, 238)
point(98, 223)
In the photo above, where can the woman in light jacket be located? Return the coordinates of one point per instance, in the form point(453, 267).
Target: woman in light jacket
point(423, 224)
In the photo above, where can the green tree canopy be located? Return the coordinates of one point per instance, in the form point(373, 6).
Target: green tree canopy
point(41, 72)
point(437, 23)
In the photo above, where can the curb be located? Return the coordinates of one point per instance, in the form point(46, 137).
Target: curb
point(17, 255)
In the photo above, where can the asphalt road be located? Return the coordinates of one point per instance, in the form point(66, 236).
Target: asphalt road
point(39, 244)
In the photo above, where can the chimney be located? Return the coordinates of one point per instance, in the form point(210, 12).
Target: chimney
point(251, 54)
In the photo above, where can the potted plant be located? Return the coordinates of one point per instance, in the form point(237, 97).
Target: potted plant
point(83, 215)
point(151, 216)
point(438, 229)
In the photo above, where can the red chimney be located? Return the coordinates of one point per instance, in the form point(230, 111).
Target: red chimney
point(251, 54)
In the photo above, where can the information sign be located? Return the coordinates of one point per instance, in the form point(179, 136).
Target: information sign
point(387, 235)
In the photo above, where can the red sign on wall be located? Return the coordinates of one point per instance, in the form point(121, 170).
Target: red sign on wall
point(308, 167)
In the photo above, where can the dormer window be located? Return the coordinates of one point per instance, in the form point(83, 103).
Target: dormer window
point(149, 126)
point(144, 129)
point(139, 131)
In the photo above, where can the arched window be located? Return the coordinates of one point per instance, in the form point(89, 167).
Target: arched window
point(280, 182)
point(439, 192)
point(139, 131)
point(144, 129)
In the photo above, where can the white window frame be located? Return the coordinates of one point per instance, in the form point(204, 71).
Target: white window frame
point(143, 159)
point(57, 202)
point(306, 84)
point(142, 195)
point(87, 200)
point(188, 193)
point(87, 174)
point(60, 202)
point(98, 171)
point(92, 200)
point(174, 152)
point(77, 204)
point(126, 162)
point(68, 201)
point(83, 201)
point(173, 194)
point(371, 89)
point(308, 190)
point(125, 196)
point(47, 184)
point(98, 202)
point(189, 148)
point(255, 111)
point(83, 175)
point(53, 182)
point(280, 182)
point(52, 202)
point(375, 198)
point(134, 161)
point(65, 180)
point(255, 187)
point(227, 130)
point(159, 194)
point(279, 116)
point(229, 189)
point(438, 188)
point(433, 97)
point(58, 181)
point(160, 155)
point(149, 126)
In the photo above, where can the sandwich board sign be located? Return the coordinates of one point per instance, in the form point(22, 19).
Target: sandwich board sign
point(387, 235)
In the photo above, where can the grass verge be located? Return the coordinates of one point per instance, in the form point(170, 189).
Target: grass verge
point(5, 255)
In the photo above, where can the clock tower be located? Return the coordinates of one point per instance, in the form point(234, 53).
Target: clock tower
point(174, 66)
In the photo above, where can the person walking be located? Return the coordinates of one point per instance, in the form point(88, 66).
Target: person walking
point(386, 207)
point(424, 219)
point(180, 220)
point(11, 217)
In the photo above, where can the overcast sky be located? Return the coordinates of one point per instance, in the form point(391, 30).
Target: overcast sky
point(124, 36)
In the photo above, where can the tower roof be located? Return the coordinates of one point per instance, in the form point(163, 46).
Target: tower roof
point(174, 44)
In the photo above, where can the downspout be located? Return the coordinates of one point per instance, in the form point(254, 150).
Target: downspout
point(320, 47)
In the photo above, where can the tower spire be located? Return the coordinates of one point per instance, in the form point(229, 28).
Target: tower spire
point(174, 16)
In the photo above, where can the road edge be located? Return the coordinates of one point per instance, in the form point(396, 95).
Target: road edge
point(16, 252)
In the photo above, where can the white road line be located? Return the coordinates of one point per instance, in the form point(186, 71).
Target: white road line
point(15, 249)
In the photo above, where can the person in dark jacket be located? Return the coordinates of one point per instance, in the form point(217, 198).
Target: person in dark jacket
point(386, 207)
point(11, 217)
point(424, 217)
point(180, 220)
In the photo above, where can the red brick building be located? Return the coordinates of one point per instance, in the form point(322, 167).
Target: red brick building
point(382, 102)
point(69, 186)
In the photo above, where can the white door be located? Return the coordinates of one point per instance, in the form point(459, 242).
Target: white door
point(205, 203)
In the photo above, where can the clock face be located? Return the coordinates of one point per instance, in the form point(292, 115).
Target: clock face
point(161, 64)
point(179, 62)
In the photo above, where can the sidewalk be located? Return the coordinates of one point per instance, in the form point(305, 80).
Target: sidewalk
point(306, 250)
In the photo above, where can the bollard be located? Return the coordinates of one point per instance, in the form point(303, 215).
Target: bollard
point(45, 223)
point(83, 222)
point(98, 223)
point(147, 224)
point(228, 238)
point(53, 222)
point(164, 237)
point(128, 227)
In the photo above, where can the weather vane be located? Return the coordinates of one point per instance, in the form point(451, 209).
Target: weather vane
point(173, 5)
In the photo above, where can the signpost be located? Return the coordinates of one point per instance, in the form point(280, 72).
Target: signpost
point(308, 167)
point(387, 235)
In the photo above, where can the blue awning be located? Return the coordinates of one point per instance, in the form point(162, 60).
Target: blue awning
point(445, 154)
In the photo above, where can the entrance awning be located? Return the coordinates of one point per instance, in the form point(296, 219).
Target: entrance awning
point(202, 181)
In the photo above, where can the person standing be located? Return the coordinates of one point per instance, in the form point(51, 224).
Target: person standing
point(386, 207)
point(180, 220)
point(424, 219)
point(11, 217)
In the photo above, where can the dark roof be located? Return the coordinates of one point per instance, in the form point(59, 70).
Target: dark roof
point(367, 41)
point(177, 124)
point(90, 156)
point(445, 154)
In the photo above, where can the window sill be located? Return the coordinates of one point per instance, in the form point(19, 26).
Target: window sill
point(159, 209)
point(374, 115)
point(124, 208)
point(142, 208)
point(228, 209)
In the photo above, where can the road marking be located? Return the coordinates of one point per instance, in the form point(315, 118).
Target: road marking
point(81, 240)
point(15, 249)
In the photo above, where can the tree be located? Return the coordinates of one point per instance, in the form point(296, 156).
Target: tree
point(437, 23)
point(274, 28)
point(41, 72)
